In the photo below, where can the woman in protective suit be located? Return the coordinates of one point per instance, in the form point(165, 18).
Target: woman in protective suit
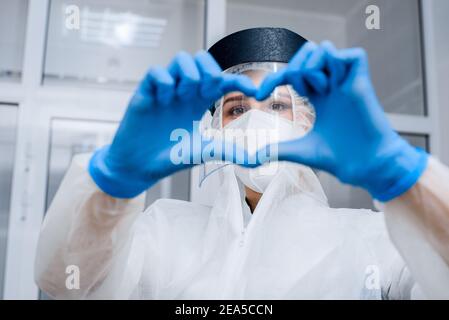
point(270, 233)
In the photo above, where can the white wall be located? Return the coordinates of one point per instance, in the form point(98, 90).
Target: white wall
point(440, 55)
point(311, 25)
point(12, 34)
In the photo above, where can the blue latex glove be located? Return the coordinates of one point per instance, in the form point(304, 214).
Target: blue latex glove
point(167, 99)
point(352, 138)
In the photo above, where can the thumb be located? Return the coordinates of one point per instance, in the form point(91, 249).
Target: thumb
point(356, 60)
point(219, 149)
point(307, 151)
point(317, 80)
point(237, 82)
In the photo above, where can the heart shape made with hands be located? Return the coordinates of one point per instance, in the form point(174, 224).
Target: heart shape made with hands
point(309, 74)
point(351, 137)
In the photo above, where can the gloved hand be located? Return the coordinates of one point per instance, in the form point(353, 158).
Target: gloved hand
point(352, 138)
point(167, 99)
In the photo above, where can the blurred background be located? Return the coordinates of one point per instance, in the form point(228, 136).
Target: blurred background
point(64, 87)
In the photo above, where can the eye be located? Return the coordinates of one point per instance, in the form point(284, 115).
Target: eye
point(237, 111)
point(279, 106)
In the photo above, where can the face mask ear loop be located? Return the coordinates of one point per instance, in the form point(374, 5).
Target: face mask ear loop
point(221, 113)
point(294, 105)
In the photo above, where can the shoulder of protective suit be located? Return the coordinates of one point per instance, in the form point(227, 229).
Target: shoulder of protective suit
point(371, 229)
point(369, 223)
point(357, 212)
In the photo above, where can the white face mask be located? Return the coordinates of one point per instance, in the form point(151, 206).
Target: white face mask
point(254, 130)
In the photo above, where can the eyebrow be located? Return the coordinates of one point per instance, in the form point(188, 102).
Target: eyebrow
point(243, 97)
point(235, 98)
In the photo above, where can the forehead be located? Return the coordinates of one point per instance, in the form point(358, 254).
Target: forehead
point(257, 77)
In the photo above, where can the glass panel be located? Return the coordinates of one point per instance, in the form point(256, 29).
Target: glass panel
point(8, 126)
point(118, 40)
point(394, 50)
point(345, 196)
point(417, 140)
point(394, 53)
point(13, 17)
point(70, 137)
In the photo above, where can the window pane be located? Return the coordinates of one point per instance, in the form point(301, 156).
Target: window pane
point(8, 126)
point(69, 138)
point(345, 196)
point(118, 40)
point(394, 50)
point(13, 17)
point(417, 140)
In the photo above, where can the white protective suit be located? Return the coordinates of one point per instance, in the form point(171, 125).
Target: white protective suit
point(292, 247)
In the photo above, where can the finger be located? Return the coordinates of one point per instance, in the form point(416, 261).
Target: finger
point(295, 77)
point(237, 82)
point(335, 67)
point(302, 55)
point(317, 60)
point(295, 66)
point(216, 148)
point(307, 151)
point(316, 81)
point(356, 61)
point(271, 81)
point(291, 75)
point(185, 72)
point(145, 94)
point(207, 65)
point(315, 70)
point(210, 73)
point(163, 84)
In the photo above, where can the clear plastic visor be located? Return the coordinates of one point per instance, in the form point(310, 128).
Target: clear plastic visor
point(284, 104)
point(284, 101)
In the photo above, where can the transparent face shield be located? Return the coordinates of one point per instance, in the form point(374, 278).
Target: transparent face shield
point(283, 109)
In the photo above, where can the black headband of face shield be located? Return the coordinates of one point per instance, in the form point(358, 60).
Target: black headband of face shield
point(256, 45)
